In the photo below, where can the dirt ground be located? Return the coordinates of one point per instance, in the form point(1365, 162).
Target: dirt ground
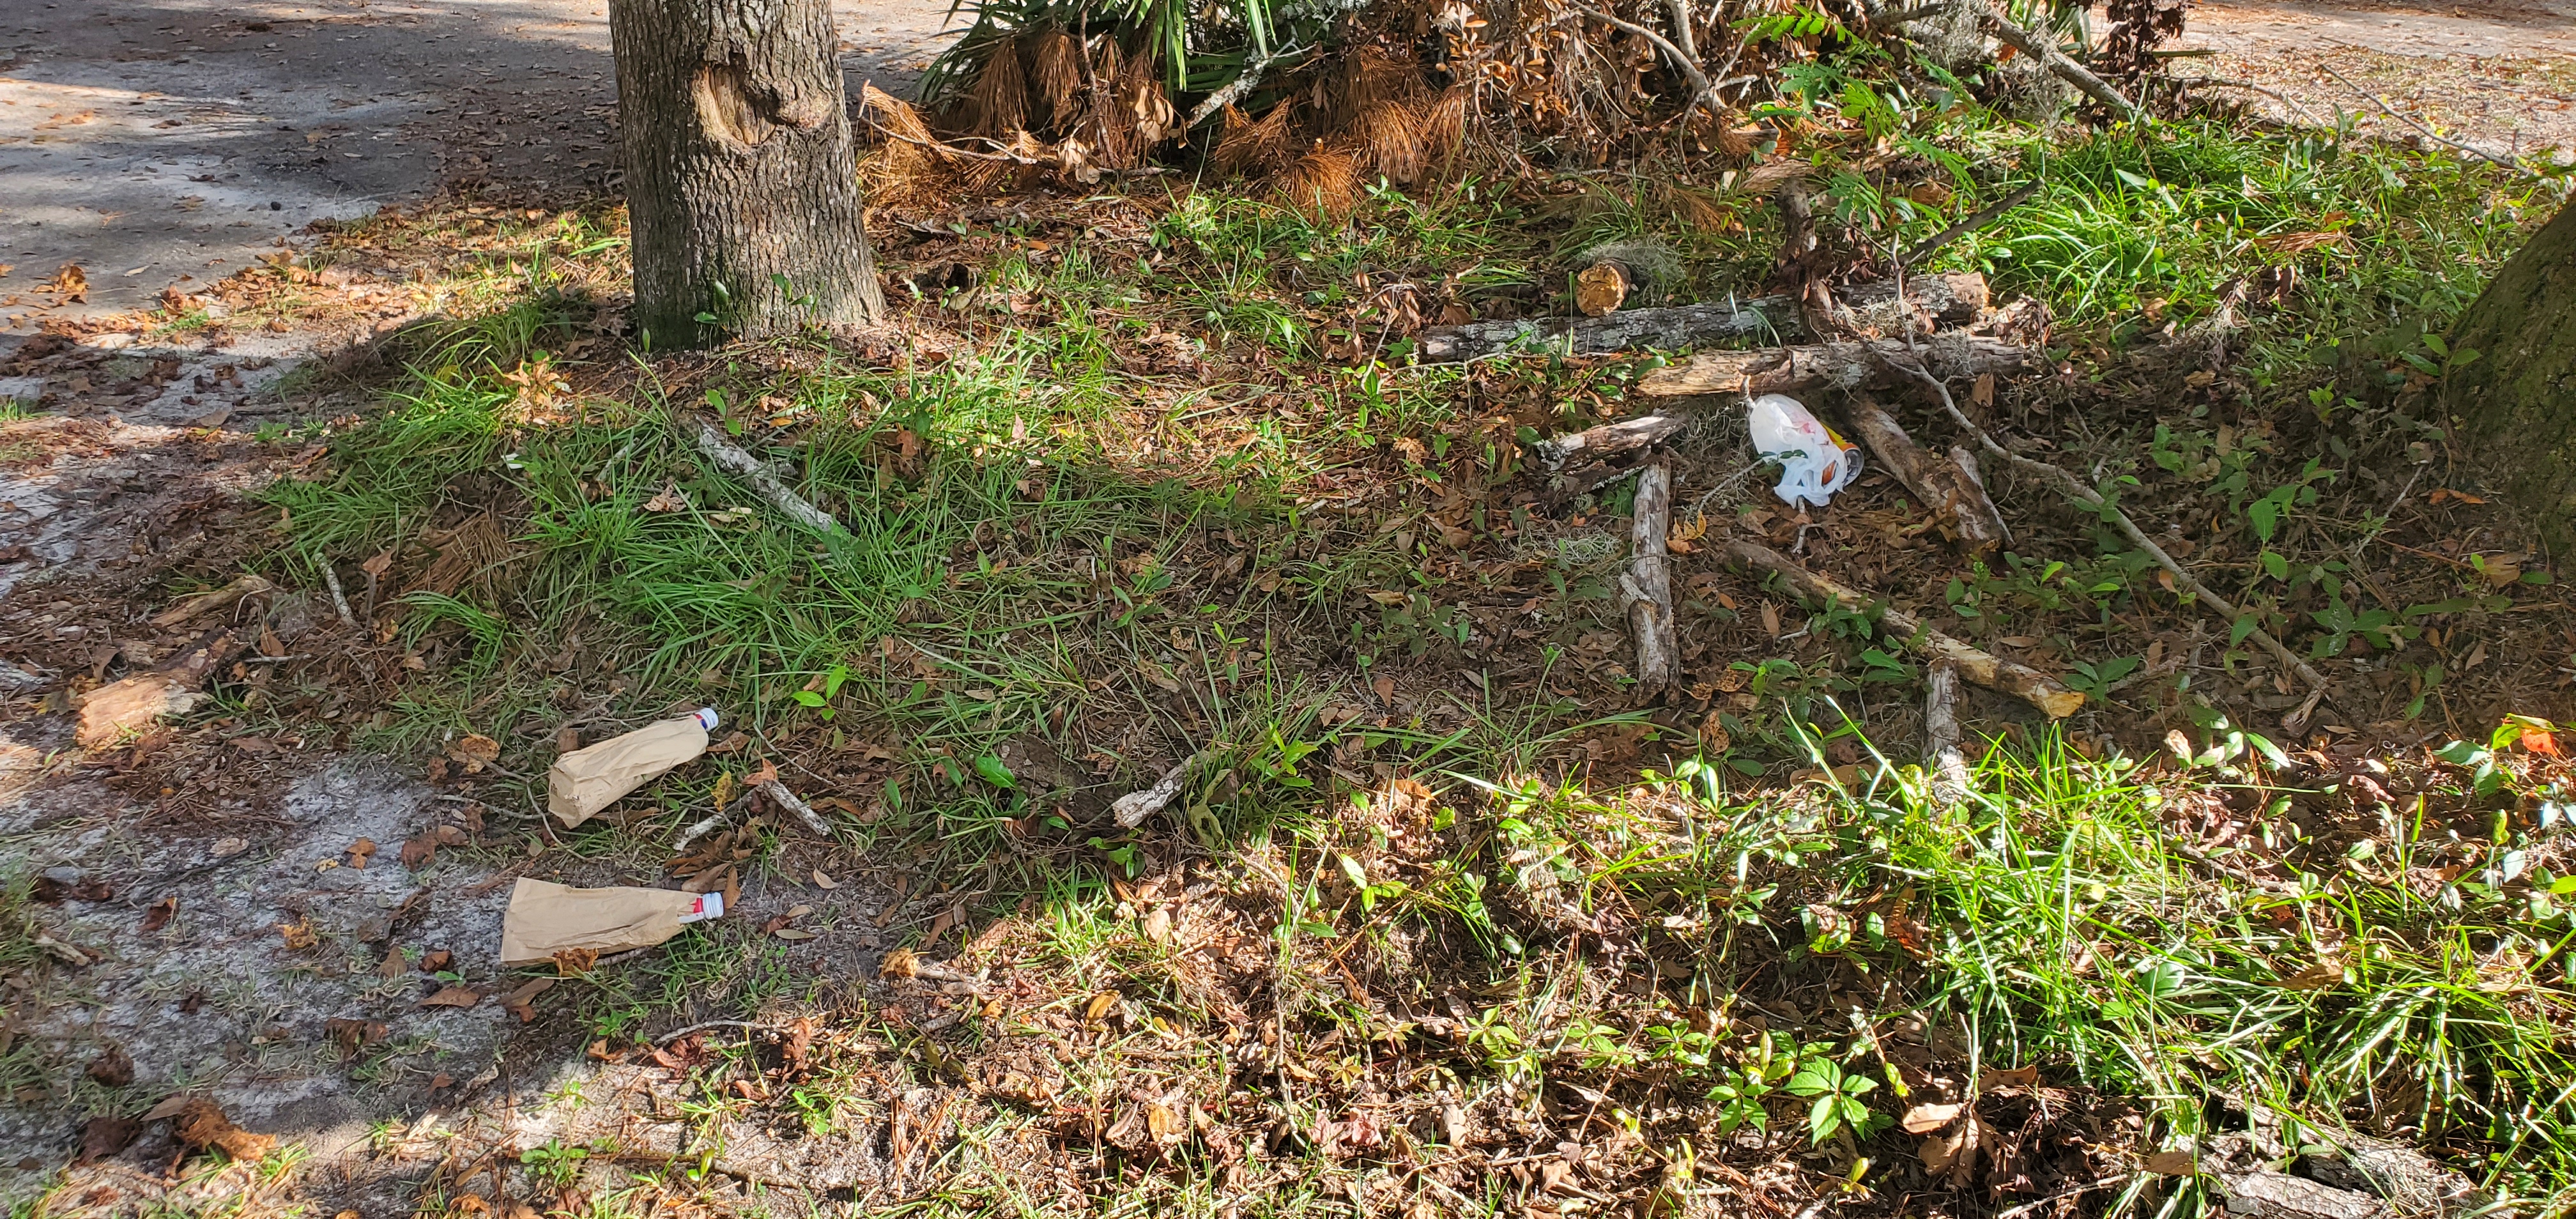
point(166, 144)
point(2499, 75)
point(174, 141)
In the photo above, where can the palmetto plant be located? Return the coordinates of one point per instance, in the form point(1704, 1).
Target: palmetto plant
point(1195, 51)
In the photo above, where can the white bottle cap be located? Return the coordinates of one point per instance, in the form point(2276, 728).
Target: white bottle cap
point(706, 717)
point(709, 905)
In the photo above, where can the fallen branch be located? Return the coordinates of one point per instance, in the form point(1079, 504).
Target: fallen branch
point(722, 452)
point(1977, 665)
point(2221, 82)
point(783, 798)
point(1973, 221)
point(1845, 366)
point(1941, 734)
point(2075, 490)
point(1949, 491)
point(1235, 90)
point(1609, 439)
point(2045, 50)
point(1648, 584)
point(1956, 299)
point(2391, 111)
point(206, 603)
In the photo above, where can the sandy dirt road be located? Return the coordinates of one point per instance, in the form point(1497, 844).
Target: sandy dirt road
point(2499, 75)
point(171, 141)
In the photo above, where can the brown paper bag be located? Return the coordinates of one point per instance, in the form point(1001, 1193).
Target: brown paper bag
point(587, 780)
point(545, 918)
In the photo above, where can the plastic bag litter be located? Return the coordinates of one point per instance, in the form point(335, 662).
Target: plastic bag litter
point(1815, 461)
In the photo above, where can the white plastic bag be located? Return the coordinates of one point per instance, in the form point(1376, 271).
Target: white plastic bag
point(1815, 461)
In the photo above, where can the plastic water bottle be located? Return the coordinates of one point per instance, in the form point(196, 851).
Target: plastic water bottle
point(1815, 461)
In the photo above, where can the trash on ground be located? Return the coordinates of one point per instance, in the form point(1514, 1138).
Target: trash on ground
point(1814, 461)
point(545, 918)
point(587, 780)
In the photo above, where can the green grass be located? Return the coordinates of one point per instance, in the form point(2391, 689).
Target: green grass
point(1037, 538)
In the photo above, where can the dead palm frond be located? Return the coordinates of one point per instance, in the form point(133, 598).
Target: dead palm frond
point(1324, 183)
point(999, 103)
point(1253, 145)
point(1056, 58)
point(1390, 137)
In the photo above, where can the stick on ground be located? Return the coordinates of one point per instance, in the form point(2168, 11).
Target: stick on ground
point(1847, 366)
point(1949, 491)
point(2073, 73)
point(1976, 664)
point(1610, 439)
point(1648, 586)
point(2087, 497)
point(1954, 299)
point(778, 793)
point(723, 452)
point(1941, 734)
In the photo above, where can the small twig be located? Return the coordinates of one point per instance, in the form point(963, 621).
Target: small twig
point(692, 833)
point(2053, 1199)
point(1132, 809)
point(702, 1026)
point(339, 599)
point(1974, 220)
point(1703, 89)
point(947, 149)
point(778, 793)
point(2075, 489)
point(2391, 111)
point(2285, 99)
point(1233, 91)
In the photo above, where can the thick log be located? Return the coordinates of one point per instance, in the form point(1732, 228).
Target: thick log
point(1843, 366)
point(1648, 586)
point(1952, 493)
point(1976, 664)
point(1952, 300)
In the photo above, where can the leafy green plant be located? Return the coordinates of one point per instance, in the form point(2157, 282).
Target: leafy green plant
point(828, 688)
point(2094, 679)
point(1833, 1096)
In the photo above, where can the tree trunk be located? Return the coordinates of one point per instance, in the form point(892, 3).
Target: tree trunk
point(741, 185)
point(2513, 407)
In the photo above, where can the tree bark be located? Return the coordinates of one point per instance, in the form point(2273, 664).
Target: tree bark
point(741, 184)
point(2513, 406)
